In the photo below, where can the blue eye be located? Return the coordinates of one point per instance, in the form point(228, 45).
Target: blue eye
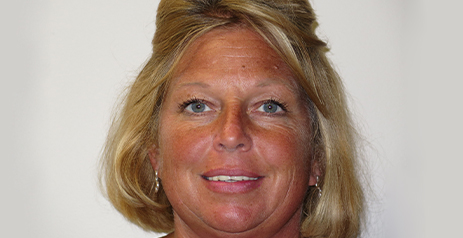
point(197, 107)
point(270, 107)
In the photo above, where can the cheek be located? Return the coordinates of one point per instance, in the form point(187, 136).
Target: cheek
point(285, 146)
point(285, 157)
point(181, 144)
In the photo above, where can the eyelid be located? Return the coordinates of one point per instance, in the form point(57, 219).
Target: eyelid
point(185, 103)
point(188, 103)
point(190, 109)
point(282, 107)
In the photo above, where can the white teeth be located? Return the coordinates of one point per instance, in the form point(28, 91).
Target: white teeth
point(230, 179)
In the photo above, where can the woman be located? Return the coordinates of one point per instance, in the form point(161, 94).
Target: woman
point(236, 127)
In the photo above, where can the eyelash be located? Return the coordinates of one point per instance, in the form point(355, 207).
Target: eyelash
point(182, 106)
point(282, 105)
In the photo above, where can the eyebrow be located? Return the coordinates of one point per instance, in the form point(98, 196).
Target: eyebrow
point(268, 82)
point(200, 84)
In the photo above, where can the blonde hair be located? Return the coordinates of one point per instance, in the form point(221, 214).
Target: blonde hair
point(288, 27)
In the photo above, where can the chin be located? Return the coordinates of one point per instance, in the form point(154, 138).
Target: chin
point(232, 219)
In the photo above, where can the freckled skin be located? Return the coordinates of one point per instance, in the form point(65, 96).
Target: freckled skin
point(233, 71)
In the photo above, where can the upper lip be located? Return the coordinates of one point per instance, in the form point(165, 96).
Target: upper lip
point(231, 172)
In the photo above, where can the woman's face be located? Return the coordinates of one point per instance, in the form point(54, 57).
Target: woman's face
point(234, 139)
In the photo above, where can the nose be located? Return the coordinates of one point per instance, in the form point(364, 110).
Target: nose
point(231, 131)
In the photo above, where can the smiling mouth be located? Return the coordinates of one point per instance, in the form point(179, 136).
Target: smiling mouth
point(230, 179)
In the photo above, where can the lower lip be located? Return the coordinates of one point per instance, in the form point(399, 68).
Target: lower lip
point(235, 187)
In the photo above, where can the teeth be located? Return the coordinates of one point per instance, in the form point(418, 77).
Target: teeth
point(230, 179)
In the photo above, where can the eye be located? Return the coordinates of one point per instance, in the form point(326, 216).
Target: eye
point(271, 106)
point(197, 106)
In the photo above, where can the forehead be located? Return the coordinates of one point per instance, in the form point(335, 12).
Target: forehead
point(236, 51)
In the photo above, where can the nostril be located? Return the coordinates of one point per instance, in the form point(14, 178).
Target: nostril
point(232, 148)
point(239, 146)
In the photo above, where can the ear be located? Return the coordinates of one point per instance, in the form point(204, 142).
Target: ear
point(153, 154)
point(314, 173)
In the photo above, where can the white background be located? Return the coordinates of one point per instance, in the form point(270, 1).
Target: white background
point(64, 64)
